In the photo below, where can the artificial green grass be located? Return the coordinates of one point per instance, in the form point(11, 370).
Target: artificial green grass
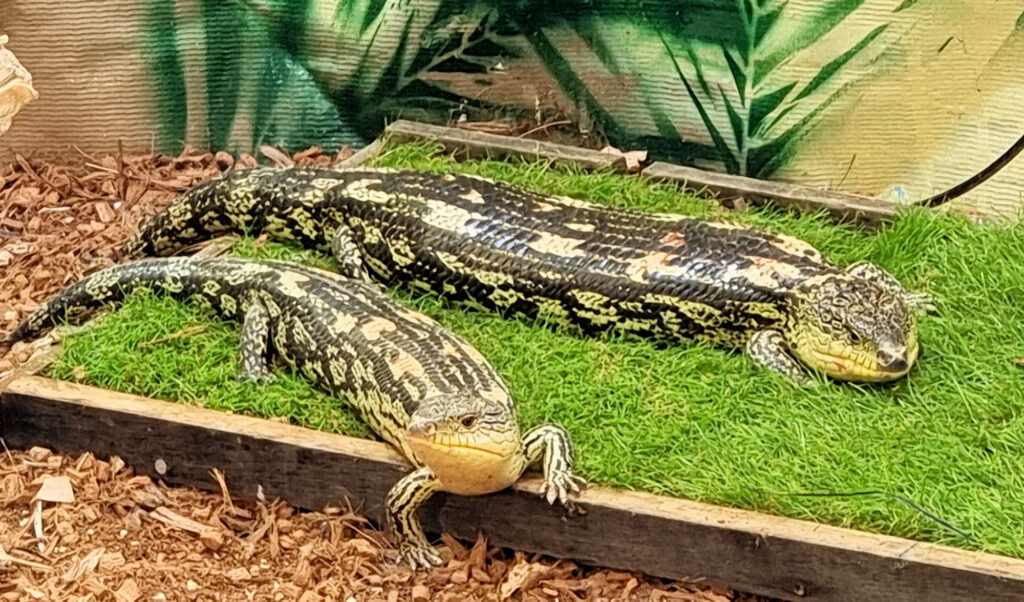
point(695, 421)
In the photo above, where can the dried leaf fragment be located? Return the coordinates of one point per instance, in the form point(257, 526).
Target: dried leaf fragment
point(84, 566)
point(55, 489)
point(128, 592)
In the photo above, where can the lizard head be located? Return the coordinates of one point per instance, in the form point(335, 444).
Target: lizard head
point(472, 443)
point(852, 329)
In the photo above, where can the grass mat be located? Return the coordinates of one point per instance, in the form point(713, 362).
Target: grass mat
point(693, 421)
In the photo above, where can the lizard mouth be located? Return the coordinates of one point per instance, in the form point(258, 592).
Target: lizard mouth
point(448, 446)
point(848, 368)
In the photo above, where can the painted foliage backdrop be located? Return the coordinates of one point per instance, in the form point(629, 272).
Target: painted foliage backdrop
point(893, 97)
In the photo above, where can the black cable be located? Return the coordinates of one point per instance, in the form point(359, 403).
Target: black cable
point(975, 180)
point(899, 498)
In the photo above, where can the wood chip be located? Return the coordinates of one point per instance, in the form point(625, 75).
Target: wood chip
point(84, 566)
point(633, 158)
point(111, 561)
point(104, 212)
point(521, 576)
point(224, 159)
point(238, 574)
point(128, 592)
point(169, 517)
point(420, 593)
point(212, 539)
point(5, 558)
point(277, 156)
point(55, 489)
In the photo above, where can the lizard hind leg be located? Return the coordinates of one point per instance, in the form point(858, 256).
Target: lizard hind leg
point(346, 252)
point(255, 345)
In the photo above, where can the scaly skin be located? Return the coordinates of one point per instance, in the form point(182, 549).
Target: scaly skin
point(661, 276)
point(419, 386)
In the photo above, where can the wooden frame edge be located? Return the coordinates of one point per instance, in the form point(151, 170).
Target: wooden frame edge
point(361, 156)
point(843, 205)
point(659, 535)
point(483, 145)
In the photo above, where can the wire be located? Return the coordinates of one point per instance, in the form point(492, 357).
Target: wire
point(975, 180)
point(899, 498)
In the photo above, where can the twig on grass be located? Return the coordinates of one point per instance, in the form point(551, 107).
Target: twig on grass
point(191, 330)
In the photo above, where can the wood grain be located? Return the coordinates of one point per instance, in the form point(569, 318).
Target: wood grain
point(477, 145)
point(662, 536)
point(854, 207)
point(362, 155)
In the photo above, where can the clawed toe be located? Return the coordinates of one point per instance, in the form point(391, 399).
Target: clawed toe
point(419, 557)
point(921, 303)
point(558, 487)
point(259, 378)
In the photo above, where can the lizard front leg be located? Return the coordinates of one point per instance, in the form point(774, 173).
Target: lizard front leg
point(769, 350)
point(255, 340)
point(917, 302)
point(403, 500)
point(551, 445)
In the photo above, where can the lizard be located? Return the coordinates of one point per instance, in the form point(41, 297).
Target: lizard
point(419, 386)
point(665, 277)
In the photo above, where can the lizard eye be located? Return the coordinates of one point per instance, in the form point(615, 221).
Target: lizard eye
point(854, 337)
point(468, 421)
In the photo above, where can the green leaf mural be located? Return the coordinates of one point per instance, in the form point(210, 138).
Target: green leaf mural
point(327, 72)
point(755, 104)
point(225, 25)
point(166, 69)
point(331, 72)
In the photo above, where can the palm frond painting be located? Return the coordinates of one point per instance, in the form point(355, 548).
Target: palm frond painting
point(738, 85)
point(299, 72)
point(752, 111)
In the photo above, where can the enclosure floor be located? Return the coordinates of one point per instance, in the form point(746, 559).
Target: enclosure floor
point(55, 220)
point(125, 538)
point(934, 456)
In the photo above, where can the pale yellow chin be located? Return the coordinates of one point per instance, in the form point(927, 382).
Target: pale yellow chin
point(469, 468)
point(844, 368)
point(852, 369)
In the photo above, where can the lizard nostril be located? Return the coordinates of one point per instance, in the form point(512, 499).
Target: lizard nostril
point(891, 363)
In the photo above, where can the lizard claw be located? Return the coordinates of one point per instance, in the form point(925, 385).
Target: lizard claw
point(559, 484)
point(418, 556)
point(259, 377)
point(921, 302)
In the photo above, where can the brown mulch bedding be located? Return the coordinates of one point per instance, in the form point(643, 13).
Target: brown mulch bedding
point(125, 537)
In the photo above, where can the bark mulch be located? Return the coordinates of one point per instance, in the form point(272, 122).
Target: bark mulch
point(90, 529)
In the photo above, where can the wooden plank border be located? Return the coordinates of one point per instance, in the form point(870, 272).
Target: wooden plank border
point(842, 205)
point(477, 145)
point(661, 536)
